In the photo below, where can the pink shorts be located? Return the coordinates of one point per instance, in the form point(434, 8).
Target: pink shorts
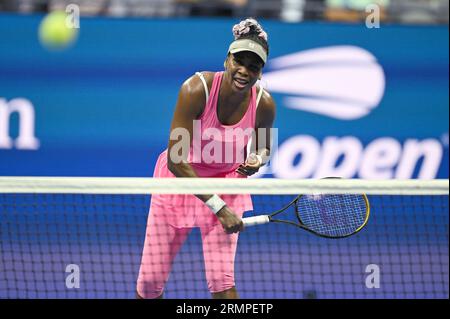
point(162, 243)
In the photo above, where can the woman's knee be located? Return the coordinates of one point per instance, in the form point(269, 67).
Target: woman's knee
point(149, 296)
point(220, 282)
point(150, 285)
point(149, 290)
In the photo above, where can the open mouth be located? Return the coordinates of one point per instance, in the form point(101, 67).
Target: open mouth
point(240, 83)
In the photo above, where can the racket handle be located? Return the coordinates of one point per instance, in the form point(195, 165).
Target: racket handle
point(256, 220)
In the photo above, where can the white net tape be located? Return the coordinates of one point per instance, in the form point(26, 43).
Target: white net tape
point(121, 185)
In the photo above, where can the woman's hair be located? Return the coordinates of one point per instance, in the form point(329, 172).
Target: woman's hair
point(251, 29)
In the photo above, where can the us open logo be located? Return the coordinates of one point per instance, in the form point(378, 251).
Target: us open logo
point(342, 82)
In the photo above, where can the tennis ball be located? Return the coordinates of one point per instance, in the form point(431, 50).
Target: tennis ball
point(54, 33)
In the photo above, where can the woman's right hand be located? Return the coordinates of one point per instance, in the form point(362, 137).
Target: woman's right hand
point(231, 223)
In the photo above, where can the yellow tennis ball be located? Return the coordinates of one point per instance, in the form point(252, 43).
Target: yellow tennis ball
point(55, 33)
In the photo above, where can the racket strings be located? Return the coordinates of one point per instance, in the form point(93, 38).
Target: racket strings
point(332, 215)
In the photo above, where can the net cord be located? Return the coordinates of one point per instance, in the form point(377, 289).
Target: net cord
point(146, 185)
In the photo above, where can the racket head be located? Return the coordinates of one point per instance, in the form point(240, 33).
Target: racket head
point(333, 216)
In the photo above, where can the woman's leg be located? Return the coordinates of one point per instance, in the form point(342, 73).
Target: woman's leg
point(219, 250)
point(227, 294)
point(162, 243)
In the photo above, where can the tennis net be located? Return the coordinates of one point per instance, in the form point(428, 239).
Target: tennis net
point(83, 238)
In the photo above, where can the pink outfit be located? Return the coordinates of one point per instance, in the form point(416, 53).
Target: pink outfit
point(173, 216)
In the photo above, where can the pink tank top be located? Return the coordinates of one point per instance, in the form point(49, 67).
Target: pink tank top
point(218, 149)
point(188, 210)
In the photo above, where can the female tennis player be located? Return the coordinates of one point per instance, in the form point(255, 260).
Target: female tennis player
point(213, 109)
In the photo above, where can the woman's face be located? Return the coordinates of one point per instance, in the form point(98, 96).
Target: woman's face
point(244, 69)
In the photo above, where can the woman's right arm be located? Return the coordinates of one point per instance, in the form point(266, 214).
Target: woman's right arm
point(190, 105)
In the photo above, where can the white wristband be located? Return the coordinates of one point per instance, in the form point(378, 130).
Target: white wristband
point(215, 203)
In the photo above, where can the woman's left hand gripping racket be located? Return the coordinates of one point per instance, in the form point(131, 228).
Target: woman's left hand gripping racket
point(330, 216)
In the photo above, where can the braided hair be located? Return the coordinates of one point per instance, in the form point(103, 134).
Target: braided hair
point(251, 29)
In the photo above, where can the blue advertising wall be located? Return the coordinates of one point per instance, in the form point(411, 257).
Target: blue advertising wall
point(351, 101)
point(104, 106)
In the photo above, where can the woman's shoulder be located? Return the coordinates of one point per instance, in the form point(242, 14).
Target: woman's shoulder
point(194, 84)
point(266, 108)
point(266, 101)
point(192, 92)
point(208, 76)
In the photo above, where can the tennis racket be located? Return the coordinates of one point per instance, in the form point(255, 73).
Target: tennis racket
point(330, 216)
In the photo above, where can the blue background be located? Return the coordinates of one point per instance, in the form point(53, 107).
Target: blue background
point(103, 107)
